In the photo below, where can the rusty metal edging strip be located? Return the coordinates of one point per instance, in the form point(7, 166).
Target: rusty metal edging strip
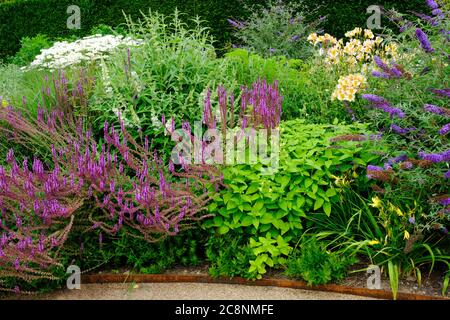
point(282, 283)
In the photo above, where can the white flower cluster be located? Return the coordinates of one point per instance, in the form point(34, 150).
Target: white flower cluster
point(64, 54)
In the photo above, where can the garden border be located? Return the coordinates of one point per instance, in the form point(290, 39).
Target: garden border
point(281, 283)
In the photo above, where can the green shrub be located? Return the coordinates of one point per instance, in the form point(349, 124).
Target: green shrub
point(279, 29)
point(230, 256)
point(309, 164)
point(168, 75)
point(404, 240)
point(272, 209)
point(30, 48)
point(418, 138)
point(292, 75)
point(314, 264)
point(27, 18)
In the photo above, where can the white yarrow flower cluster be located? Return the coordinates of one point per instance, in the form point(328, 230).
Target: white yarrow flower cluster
point(64, 54)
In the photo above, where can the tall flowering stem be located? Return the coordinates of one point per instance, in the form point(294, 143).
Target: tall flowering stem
point(261, 107)
point(127, 187)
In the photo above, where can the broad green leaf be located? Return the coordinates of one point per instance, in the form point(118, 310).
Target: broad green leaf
point(318, 204)
point(223, 229)
point(327, 208)
point(331, 192)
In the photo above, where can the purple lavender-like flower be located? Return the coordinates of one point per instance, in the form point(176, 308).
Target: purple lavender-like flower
point(374, 98)
point(431, 20)
point(378, 74)
point(400, 130)
point(434, 109)
point(376, 137)
point(236, 24)
point(432, 4)
point(398, 159)
point(379, 62)
point(445, 202)
point(445, 129)
point(374, 168)
point(424, 41)
point(436, 157)
point(412, 220)
point(447, 175)
point(438, 13)
point(442, 92)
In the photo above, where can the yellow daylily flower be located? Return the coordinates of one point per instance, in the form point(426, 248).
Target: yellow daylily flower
point(376, 202)
point(373, 242)
point(406, 235)
point(4, 103)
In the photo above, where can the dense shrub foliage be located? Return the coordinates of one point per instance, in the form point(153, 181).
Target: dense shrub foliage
point(26, 18)
point(118, 150)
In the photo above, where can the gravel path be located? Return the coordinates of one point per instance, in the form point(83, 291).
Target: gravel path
point(188, 291)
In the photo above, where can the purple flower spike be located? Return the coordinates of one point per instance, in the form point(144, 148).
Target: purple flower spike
point(374, 168)
point(374, 98)
point(434, 109)
point(445, 129)
point(378, 74)
point(436, 157)
point(236, 24)
point(424, 42)
point(442, 92)
point(447, 175)
point(432, 4)
point(400, 130)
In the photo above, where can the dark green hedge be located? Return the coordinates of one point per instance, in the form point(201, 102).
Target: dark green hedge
point(29, 17)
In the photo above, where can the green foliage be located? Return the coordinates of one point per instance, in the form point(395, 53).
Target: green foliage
point(269, 252)
point(419, 182)
point(279, 29)
point(292, 75)
point(169, 75)
point(314, 264)
point(30, 48)
point(229, 256)
point(404, 241)
point(309, 162)
point(125, 251)
point(26, 18)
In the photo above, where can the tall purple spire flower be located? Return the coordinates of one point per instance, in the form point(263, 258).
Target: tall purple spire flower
point(432, 4)
point(442, 92)
point(382, 104)
point(436, 157)
point(424, 41)
point(237, 24)
point(402, 131)
point(436, 110)
point(445, 129)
